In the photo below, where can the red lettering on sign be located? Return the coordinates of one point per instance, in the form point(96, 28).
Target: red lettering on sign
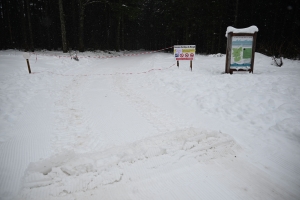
point(189, 58)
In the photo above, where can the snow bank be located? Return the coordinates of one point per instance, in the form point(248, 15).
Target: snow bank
point(67, 172)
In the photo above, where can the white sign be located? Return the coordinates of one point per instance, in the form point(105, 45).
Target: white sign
point(26, 55)
point(184, 52)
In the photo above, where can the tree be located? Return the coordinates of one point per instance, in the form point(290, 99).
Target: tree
point(236, 13)
point(147, 24)
point(119, 16)
point(63, 26)
point(120, 11)
point(7, 21)
point(23, 21)
point(29, 26)
point(46, 22)
point(82, 4)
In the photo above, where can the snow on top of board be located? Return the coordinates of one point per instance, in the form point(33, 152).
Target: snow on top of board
point(250, 29)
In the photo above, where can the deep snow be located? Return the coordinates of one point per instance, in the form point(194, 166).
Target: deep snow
point(139, 127)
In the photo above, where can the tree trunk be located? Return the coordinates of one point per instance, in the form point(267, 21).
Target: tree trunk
point(187, 34)
point(122, 34)
point(23, 21)
point(236, 13)
point(48, 21)
point(63, 26)
point(81, 26)
point(6, 10)
point(253, 9)
point(108, 30)
point(29, 26)
point(212, 37)
point(118, 34)
point(74, 28)
point(221, 34)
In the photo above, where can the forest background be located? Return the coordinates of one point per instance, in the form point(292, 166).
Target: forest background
point(83, 25)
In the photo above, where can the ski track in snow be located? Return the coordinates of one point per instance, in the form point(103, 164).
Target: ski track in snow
point(23, 105)
point(88, 134)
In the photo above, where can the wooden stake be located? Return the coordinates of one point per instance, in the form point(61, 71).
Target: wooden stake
point(191, 64)
point(29, 70)
point(177, 63)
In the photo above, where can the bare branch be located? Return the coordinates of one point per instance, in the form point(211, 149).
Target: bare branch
point(94, 1)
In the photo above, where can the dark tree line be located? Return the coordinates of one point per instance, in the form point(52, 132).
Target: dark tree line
point(147, 24)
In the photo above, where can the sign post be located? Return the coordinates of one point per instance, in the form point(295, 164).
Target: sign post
point(185, 52)
point(240, 49)
point(27, 56)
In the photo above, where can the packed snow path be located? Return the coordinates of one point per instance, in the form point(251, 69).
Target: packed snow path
point(141, 128)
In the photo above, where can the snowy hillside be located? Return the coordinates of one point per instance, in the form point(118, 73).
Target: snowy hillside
point(122, 126)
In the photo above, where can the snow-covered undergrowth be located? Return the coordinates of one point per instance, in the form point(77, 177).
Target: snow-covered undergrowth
point(139, 127)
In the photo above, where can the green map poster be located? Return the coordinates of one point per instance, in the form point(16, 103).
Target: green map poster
point(241, 52)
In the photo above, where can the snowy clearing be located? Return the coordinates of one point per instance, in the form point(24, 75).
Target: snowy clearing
point(139, 127)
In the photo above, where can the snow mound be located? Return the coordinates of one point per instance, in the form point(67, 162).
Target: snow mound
point(68, 172)
point(217, 55)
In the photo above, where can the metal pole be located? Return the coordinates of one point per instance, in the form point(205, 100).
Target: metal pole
point(191, 65)
point(28, 66)
point(178, 63)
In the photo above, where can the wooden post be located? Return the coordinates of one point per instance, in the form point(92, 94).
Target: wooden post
point(178, 63)
point(28, 66)
point(253, 51)
point(228, 53)
point(191, 64)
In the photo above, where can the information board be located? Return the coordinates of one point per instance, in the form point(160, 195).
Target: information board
point(184, 52)
point(241, 52)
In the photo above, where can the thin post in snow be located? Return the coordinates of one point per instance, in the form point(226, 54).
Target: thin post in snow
point(27, 56)
point(28, 65)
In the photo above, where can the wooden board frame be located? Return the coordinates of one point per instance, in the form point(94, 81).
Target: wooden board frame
point(228, 51)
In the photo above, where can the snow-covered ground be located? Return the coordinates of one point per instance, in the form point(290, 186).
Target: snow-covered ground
point(139, 127)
